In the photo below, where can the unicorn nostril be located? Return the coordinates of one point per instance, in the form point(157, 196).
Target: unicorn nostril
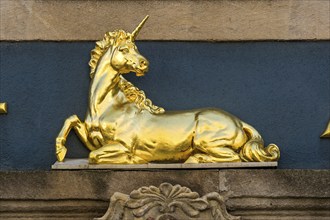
point(143, 64)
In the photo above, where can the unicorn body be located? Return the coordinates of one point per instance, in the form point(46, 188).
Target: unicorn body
point(122, 126)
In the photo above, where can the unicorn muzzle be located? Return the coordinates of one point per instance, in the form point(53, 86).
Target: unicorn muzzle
point(142, 68)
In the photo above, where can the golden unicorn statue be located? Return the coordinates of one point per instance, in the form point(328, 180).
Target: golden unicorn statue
point(122, 126)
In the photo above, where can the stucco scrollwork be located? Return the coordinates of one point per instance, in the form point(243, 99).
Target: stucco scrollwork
point(166, 202)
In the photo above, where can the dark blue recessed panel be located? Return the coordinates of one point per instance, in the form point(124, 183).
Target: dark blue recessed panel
point(281, 88)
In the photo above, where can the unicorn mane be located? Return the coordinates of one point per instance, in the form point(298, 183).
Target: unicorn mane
point(134, 94)
point(100, 48)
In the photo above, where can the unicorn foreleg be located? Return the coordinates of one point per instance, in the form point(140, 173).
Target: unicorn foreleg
point(79, 128)
point(114, 153)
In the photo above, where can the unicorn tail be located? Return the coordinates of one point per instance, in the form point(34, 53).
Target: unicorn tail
point(254, 151)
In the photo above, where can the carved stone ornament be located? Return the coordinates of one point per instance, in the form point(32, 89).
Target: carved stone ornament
point(166, 202)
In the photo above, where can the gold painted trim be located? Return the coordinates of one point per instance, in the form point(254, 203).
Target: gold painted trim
point(326, 133)
point(3, 108)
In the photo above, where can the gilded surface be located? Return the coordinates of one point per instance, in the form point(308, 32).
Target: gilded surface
point(3, 108)
point(326, 133)
point(122, 126)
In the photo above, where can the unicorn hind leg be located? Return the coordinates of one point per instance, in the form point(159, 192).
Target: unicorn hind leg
point(216, 146)
point(215, 155)
point(81, 131)
point(214, 150)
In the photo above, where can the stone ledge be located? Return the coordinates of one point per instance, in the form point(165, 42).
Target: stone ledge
point(169, 20)
point(97, 184)
point(81, 164)
point(250, 208)
point(250, 193)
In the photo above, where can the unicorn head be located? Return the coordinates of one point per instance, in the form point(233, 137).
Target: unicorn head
point(120, 48)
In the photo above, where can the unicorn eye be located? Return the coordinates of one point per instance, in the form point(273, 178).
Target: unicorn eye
point(124, 49)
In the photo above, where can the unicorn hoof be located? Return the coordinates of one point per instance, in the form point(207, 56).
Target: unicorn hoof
point(60, 153)
point(92, 158)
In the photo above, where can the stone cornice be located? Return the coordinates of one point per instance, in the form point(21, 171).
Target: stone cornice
point(250, 193)
point(169, 20)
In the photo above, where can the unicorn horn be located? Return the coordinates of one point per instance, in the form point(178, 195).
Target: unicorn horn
point(138, 28)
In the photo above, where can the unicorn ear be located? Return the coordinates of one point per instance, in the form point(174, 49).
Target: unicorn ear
point(138, 28)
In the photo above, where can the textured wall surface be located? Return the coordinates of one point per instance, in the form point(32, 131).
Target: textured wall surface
point(281, 88)
point(291, 194)
point(170, 20)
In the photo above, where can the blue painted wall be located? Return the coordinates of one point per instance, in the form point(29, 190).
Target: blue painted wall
point(281, 88)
